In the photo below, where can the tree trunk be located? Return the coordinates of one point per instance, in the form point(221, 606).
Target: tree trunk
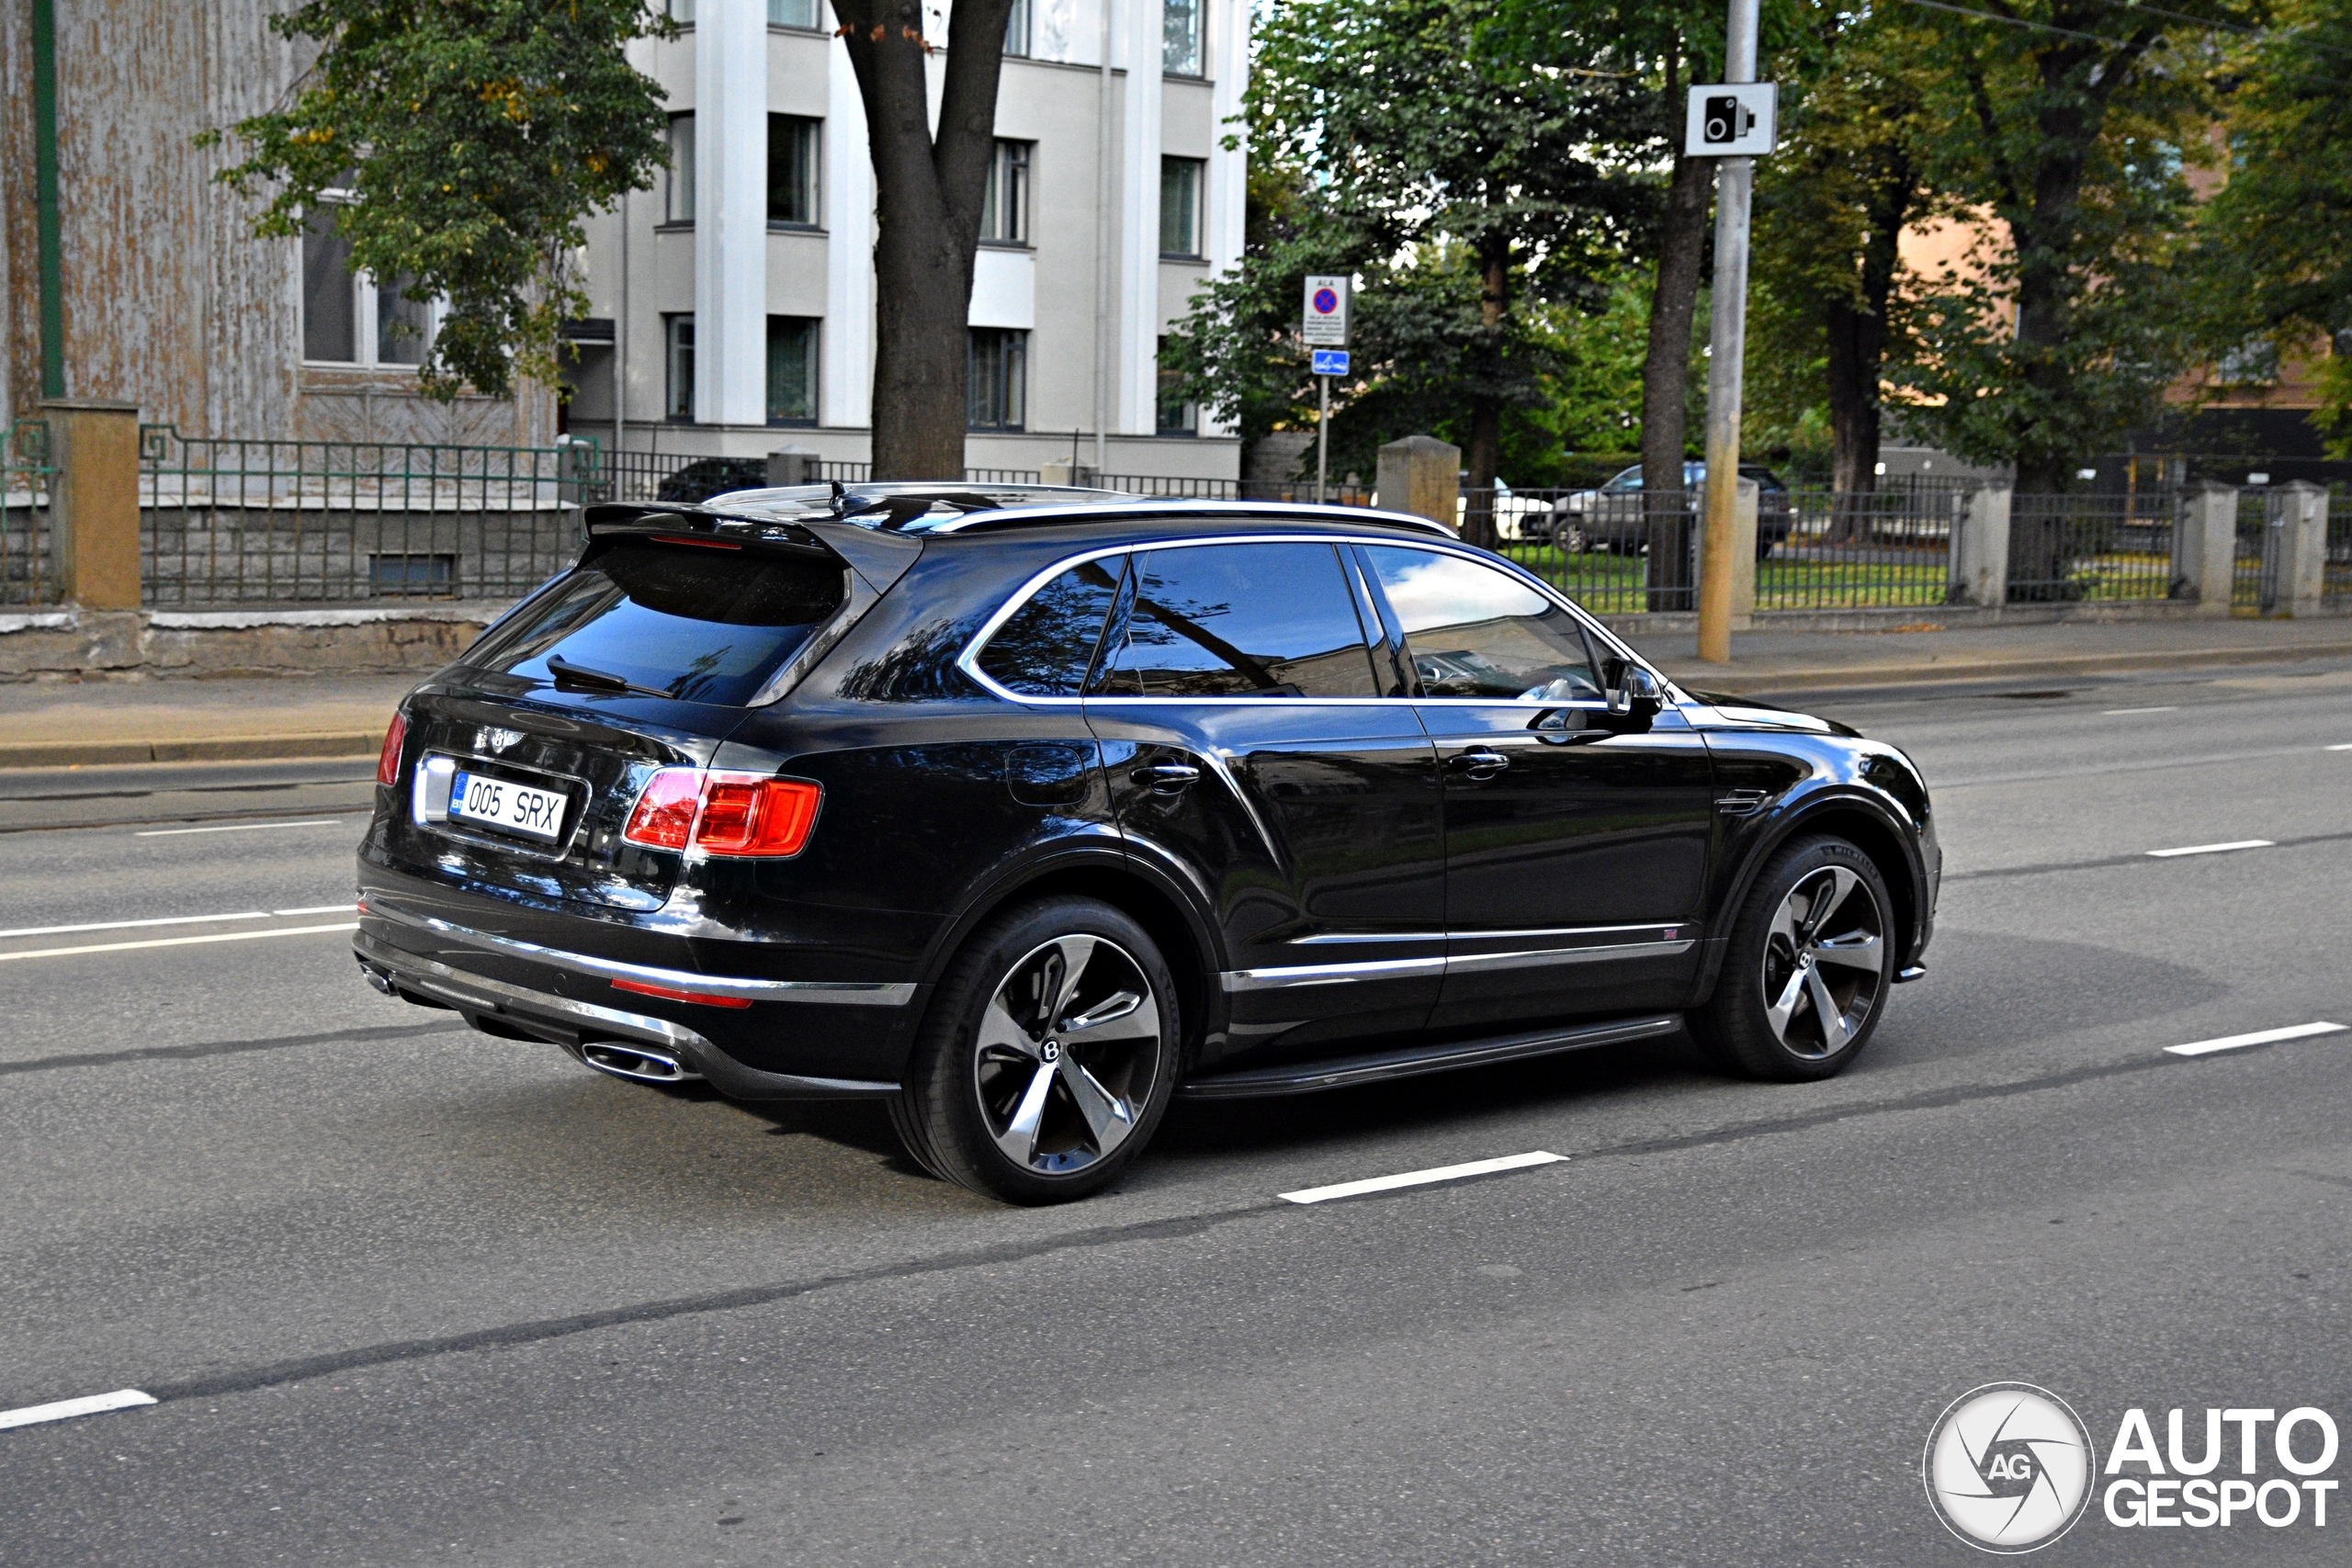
point(1857, 330)
point(928, 194)
point(1484, 458)
point(1665, 372)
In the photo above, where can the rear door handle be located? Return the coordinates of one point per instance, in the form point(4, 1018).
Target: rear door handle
point(1481, 762)
point(1167, 778)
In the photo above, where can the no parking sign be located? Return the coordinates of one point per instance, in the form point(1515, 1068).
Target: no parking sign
point(1325, 319)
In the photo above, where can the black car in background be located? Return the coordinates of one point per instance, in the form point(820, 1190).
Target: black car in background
point(1029, 810)
point(1619, 516)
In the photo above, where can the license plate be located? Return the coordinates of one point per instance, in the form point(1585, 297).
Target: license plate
point(502, 803)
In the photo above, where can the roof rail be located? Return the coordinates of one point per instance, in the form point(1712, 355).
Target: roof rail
point(1131, 506)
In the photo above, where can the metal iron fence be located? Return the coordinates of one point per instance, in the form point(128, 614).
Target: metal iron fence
point(26, 573)
point(227, 520)
point(2258, 585)
point(2335, 586)
point(2076, 547)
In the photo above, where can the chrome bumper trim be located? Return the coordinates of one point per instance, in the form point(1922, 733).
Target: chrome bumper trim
point(838, 993)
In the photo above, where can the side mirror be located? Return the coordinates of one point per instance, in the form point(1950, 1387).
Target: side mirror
point(1635, 691)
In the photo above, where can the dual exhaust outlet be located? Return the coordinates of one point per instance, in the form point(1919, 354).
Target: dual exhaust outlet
point(635, 1062)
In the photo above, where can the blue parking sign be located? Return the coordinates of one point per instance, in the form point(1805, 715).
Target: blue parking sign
point(1330, 362)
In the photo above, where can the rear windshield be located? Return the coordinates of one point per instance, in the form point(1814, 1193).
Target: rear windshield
point(702, 625)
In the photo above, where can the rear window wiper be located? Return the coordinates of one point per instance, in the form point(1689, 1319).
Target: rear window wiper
point(567, 673)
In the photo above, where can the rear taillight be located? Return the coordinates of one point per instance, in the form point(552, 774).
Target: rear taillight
point(388, 761)
point(723, 814)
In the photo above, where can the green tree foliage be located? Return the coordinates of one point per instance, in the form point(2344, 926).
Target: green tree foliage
point(2278, 237)
point(465, 141)
point(2070, 123)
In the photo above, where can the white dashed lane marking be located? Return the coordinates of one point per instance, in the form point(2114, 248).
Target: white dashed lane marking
point(235, 827)
point(1421, 1178)
point(173, 941)
point(2212, 849)
point(2260, 1037)
point(66, 1409)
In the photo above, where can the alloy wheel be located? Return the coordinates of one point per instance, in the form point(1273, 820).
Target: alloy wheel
point(1069, 1050)
point(1825, 963)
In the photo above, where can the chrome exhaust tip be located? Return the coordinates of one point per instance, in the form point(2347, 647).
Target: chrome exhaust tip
point(634, 1063)
point(377, 978)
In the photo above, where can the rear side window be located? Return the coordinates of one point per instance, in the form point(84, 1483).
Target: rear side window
point(1048, 645)
point(1477, 632)
point(704, 625)
point(1273, 620)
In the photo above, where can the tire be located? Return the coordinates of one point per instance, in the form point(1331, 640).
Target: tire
point(1789, 951)
point(1011, 1090)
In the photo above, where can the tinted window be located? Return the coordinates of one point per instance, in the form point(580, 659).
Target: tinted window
point(705, 626)
point(1477, 632)
point(1242, 621)
point(1044, 649)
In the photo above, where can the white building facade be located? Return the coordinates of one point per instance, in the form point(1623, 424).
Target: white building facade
point(733, 308)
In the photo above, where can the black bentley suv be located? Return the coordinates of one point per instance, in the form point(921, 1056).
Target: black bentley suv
point(1028, 810)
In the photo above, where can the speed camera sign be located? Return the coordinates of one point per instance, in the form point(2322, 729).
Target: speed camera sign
point(1731, 119)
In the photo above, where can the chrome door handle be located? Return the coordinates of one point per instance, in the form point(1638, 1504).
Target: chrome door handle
point(1167, 778)
point(1481, 763)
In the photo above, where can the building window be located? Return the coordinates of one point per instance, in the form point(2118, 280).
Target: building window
point(1180, 38)
point(1179, 206)
point(1004, 210)
point(680, 199)
point(1016, 28)
point(791, 13)
point(1000, 391)
point(683, 12)
point(678, 346)
point(792, 169)
point(1176, 417)
point(350, 318)
point(792, 370)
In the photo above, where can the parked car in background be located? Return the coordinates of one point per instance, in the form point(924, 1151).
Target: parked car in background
point(1518, 518)
point(1618, 515)
point(706, 477)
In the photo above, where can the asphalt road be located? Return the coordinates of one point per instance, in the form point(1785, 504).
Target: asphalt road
point(412, 1295)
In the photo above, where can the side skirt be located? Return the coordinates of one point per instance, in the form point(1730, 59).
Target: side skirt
point(1312, 1078)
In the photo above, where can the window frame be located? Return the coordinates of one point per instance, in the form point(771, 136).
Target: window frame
point(1200, 43)
point(1598, 636)
point(366, 323)
point(1196, 222)
point(807, 131)
point(1019, 34)
point(1190, 428)
point(679, 174)
point(671, 322)
point(815, 326)
point(1009, 157)
point(816, 11)
point(1018, 424)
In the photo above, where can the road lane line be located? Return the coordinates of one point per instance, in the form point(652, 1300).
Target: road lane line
point(166, 920)
point(320, 909)
point(173, 942)
point(237, 828)
point(2346, 747)
point(66, 1409)
point(2261, 1037)
point(1420, 1178)
point(2212, 849)
point(2112, 713)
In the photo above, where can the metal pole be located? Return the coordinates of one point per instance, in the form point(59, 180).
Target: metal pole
point(1102, 257)
point(1323, 440)
point(1727, 340)
point(621, 360)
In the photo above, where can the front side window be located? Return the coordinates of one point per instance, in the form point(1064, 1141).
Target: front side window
point(792, 370)
point(1180, 36)
point(680, 207)
point(1004, 208)
point(678, 345)
point(1477, 632)
point(998, 393)
point(705, 626)
point(1179, 206)
point(1045, 648)
point(792, 169)
point(1273, 620)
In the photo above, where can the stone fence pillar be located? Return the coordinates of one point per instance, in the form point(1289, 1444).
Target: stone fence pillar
point(1980, 548)
point(2205, 548)
point(94, 529)
point(2302, 548)
point(1421, 475)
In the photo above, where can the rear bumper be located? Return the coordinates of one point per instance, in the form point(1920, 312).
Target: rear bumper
point(508, 986)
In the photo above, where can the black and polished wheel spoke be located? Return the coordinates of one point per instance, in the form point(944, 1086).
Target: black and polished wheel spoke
point(1067, 1053)
point(1825, 960)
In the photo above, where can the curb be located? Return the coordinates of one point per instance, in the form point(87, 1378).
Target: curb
point(1853, 677)
point(206, 748)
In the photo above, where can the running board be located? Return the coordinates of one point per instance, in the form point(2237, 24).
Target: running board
point(1312, 1078)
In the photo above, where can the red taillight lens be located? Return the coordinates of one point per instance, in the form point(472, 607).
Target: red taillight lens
point(388, 761)
point(664, 817)
point(724, 814)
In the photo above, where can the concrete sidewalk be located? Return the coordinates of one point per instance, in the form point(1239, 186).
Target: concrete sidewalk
point(91, 723)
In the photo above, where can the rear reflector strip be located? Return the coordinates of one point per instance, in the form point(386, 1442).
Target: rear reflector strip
point(671, 993)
